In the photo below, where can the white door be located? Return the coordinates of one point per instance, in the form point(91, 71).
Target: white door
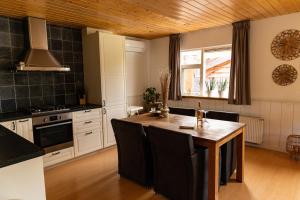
point(11, 125)
point(24, 128)
point(117, 112)
point(112, 69)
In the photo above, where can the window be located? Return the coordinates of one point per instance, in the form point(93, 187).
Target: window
point(205, 72)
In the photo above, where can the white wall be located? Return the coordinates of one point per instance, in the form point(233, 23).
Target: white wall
point(24, 181)
point(221, 35)
point(136, 76)
point(278, 105)
point(263, 62)
point(158, 60)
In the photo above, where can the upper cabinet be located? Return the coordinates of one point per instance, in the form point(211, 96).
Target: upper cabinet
point(104, 68)
point(112, 59)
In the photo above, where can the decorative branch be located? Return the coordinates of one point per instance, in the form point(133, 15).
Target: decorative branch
point(165, 85)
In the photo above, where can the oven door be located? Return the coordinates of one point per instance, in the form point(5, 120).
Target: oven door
point(54, 136)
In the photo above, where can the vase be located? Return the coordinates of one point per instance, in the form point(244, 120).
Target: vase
point(221, 93)
point(209, 93)
point(164, 111)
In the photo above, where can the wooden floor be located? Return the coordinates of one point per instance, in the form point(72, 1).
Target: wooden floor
point(268, 176)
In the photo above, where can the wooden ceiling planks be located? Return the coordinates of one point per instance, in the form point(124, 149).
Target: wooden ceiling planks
point(148, 18)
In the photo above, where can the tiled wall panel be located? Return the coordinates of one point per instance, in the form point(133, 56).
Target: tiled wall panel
point(22, 90)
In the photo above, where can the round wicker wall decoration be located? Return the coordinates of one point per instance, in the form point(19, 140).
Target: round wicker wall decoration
point(286, 45)
point(284, 75)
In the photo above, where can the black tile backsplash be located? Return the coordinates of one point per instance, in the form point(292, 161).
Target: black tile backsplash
point(5, 40)
point(7, 92)
point(8, 105)
point(22, 90)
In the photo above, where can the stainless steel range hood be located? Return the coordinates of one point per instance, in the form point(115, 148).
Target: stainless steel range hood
point(38, 57)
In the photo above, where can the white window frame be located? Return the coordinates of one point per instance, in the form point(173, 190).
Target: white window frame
point(200, 66)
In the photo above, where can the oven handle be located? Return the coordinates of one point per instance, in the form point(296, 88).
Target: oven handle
point(53, 125)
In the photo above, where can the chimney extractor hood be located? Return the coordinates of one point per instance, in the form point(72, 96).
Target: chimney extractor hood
point(38, 57)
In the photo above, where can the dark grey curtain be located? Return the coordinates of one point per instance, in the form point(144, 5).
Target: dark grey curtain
point(174, 67)
point(239, 84)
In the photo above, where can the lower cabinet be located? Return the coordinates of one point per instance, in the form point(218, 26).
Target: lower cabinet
point(11, 125)
point(87, 141)
point(109, 113)
point(58, 156)
point(87, 131)
point(22, 127)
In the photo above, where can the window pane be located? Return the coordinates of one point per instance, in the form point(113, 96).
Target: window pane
point(190, 57)
point(217, 66)
point(191, 81)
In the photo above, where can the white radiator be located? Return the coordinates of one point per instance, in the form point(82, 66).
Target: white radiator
point(254, 129)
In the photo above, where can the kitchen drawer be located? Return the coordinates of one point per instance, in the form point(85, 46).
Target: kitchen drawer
point(58, 156)
point(88, 141)
point(86, 115)
point(87, 125)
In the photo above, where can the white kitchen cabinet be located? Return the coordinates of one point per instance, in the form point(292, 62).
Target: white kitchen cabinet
point(22, 127)
point(105, 77)
point(112, 58)
point(117, 112)
point(58, 156)
point(87, 131)
point(113, 78)
point(11, 125)
point(88, 141)
point(86, 115)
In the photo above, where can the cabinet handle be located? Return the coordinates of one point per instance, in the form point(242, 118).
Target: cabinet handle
point(88, 122)
point(103, 102)
point(86, 111)
point(89, 133)
point(56, 153)
point(24, 120)
point(13, 126)
point(104, 111)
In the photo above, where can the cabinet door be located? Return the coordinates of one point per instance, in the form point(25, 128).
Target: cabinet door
point(88, 141)
point(11, 125)
point(58, 156)
point(117, 112)
point(24, 129)
point(85, 115)
point(112, 69)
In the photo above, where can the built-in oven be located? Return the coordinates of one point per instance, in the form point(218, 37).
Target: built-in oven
point(53, 132)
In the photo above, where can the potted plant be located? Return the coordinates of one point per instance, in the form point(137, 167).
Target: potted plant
point(150, 97)
point(222, 85)
point(210, 86)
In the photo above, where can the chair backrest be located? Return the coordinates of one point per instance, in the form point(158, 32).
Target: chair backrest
point(174, 163)
point(182, 111)
point(134, 154)
point(221, 115)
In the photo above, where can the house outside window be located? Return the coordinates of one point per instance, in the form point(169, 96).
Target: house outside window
point(206, 72)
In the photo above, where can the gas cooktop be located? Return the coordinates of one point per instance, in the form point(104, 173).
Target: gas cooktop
point(48, 109)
